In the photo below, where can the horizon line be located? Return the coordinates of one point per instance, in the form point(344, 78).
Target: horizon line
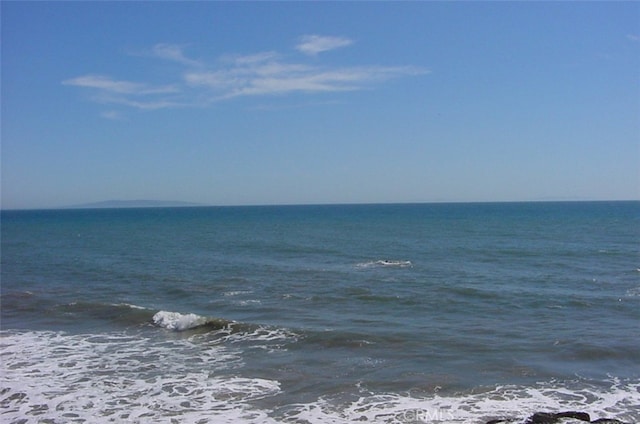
point(161, 204)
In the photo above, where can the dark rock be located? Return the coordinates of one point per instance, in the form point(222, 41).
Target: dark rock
point(582, 416)
point(554, 418)
point(551, 418)
point(542, 418)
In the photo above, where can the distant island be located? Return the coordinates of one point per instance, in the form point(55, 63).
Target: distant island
point(133, 204)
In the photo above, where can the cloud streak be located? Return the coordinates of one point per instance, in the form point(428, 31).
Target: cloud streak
point(314, 44)
point(266, 73)
point(258, 75)
point(107, 84)
point(173, 52)
point(137, 95)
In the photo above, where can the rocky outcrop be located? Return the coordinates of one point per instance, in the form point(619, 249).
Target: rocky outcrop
point(557, 418)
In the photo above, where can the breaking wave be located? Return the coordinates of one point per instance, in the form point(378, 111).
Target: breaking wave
point(182, 322)
point(384, 263)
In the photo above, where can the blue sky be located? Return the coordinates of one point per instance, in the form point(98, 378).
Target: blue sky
point(319, 102)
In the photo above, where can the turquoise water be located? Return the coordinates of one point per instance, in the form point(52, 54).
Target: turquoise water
point(389, 313)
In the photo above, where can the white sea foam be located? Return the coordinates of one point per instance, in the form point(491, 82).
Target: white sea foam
point(53, 377)
point(620, 400)
point(266, 338)
point(249, 302)
point(180, 322)
point(633, 292)
point(385, 263)
point(237, 292)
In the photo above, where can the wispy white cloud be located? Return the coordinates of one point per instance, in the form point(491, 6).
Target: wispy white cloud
point(107, 90)
point(250, 59)
point(280, 78)
point(173, 52)
point(143, 104)
point(314, 44)
point(108, 84)
point(232, 75)
point(103, 83)
point(276, 78)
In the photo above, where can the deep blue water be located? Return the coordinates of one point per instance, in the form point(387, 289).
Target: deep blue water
point(393, 313)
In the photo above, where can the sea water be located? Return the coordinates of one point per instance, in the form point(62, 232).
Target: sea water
point(456, 313)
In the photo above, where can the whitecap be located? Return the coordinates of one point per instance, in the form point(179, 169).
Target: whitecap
point(237, 292)
point(264, 334)
point(129, 305)
point(181, 322)
point(248, 302)
point(633, 292)
point(385, 263)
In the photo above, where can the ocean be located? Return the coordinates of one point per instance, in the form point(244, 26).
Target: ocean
point(398, 313)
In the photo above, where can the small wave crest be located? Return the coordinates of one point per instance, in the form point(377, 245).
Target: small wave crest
point(385, 263)
point(633, 292)
point(181, 322)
